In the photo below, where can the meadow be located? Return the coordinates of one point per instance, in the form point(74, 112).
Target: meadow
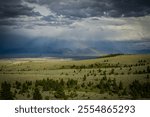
point(109, 77)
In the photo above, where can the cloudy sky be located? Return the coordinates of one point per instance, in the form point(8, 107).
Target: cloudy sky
point(74, 27)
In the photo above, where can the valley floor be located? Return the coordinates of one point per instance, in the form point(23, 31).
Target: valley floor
point(118, 77)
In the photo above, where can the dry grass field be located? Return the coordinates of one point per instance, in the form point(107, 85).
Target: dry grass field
point(112, 77)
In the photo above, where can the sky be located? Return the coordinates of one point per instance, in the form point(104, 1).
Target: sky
point(74, 27)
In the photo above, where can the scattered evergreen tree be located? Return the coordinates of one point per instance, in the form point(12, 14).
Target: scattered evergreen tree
point(90, 84)
point(18, 85)
point(82, 85)
point(28, 95)
point(145, 90)
point(120, 85)
point(6, 93)
point(62, 83)
point(24, 88)
point(124, 91)
point(115, 86)
point(138, 90)
point(112, 71)
point(135, 89)
point(147, 77)
point(37, 95)
point(148, 69)
point(84, 77)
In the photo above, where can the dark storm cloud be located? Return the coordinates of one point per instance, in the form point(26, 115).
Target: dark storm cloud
point(88, 8)
point(74, 9)
point(132, 7)
point(10, 11)
point(14, 8)
point(15, 11)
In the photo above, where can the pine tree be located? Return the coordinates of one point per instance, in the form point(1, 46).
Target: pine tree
point(6, 93)
point(62, 83)
point(120, 85)
point(37, 95)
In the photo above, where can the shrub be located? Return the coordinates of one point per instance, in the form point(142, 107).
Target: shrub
point(46, 97)
point(90, 84)
point(82, 85)
point(112, 71)
point(60, 94)
point(73, 94)
point(72, 83)
point(84, 77)
point(122, 73)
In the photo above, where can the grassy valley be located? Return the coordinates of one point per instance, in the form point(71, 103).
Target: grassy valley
point(109, 77)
